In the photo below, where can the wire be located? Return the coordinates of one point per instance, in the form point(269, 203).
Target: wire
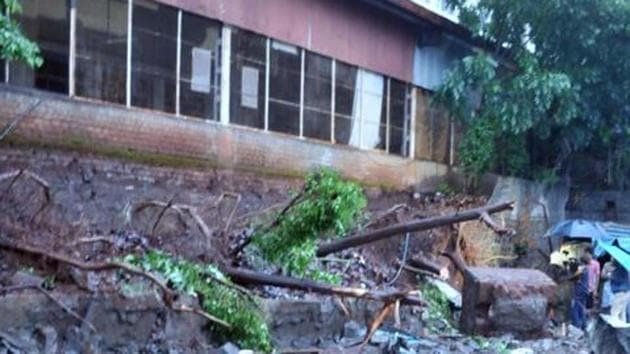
point(403, 261)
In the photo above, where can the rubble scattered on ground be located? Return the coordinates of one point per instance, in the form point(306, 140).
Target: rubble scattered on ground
point(88, 220)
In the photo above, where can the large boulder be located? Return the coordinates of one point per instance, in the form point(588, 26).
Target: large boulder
point(521, 315)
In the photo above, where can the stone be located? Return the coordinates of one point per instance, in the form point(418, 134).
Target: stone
point(352, 329)
point(494, 299)
point(574, 332)
point(50, 339)
point(519, 315)
point(522, 351)
point(379, 338)
point(25, 278)
point(229, 348)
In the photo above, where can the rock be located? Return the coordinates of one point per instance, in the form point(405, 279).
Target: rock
point(424, 343)
point(50, 339)
point(518, 315)
point(379, 338)
point(453, 295)
point(522, 351)
point(575, 333)
point(352, 329)
point(24, 278)
point(229, 348)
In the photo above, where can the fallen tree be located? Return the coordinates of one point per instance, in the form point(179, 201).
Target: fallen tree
point(416, 225)
point(247, 277)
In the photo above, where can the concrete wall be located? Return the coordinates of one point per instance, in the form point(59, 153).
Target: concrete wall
point(347, 30)
point(65, 122)
point(599, 205)
point(536, 208)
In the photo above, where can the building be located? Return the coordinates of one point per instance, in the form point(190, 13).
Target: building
point(268, 85)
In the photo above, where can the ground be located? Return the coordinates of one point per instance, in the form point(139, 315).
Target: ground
point(93, 212)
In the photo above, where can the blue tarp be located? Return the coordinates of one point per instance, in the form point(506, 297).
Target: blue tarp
point(578, 228)
point(618, 232)
point(598, 232)
point(617, 253)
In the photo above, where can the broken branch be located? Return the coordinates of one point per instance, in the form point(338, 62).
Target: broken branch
point(36, 178)
point(417, 225)
point(180, 209)
point(487, 219)
point(254, 278)
point(167, 295)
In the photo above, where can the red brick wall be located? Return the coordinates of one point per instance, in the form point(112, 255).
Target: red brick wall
point(62, 121)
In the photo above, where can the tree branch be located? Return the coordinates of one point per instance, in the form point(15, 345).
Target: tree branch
point(168, 296)
point(416, 225)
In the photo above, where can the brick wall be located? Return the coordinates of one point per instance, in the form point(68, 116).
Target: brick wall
point(65, 122)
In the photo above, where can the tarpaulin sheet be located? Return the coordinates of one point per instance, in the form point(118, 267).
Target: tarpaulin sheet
point(617, 253)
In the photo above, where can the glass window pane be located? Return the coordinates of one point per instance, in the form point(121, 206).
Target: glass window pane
point(373, 108)
point(47, 23)
point(101, 61)
point(399, 113)
point(284, 88)
point(199, 80)
point(345, 87)
point(247, 79)
point(317, 92)
point(154, 51)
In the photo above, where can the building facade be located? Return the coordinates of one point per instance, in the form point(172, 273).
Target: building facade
point(340, 83)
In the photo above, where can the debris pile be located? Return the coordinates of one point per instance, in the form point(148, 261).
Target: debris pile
point(77, 233)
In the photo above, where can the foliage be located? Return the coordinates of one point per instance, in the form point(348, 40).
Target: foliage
point(327, 207)
point(445, 189)
point(248, 328)
point(555, 81)
point(498, 346)
point(14, 45)
point(438, 308)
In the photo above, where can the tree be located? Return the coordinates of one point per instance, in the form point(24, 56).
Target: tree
point(14, 45)
point(554, 82)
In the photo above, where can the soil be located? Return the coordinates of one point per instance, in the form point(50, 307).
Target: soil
point(92, 197)
point(90, 214)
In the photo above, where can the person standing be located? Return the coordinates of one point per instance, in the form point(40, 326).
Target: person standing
point(594, 270)
point(580, 293)
point(620, 287)
point(607, 294)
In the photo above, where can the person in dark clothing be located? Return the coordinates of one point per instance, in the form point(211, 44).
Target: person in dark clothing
point(580, 294)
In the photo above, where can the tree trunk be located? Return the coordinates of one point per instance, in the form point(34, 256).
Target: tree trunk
point(418, 225)
point(247, 277)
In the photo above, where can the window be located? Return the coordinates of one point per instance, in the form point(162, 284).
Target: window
point(101, 61)
point(247, 79)
point(153, 59)
point(373, 108)
point(199, 77)
point(47, 23)
point(284, 88)
point(345, 82)
point(317, 96)
point(399, 113)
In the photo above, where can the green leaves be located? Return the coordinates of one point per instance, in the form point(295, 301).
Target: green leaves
point(327, 207)
point(14, 45)
point(248, 330)
point(564, 69)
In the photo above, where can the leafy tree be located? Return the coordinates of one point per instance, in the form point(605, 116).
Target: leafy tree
point(555, 82)
point(14, 45)
point(327, 207)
